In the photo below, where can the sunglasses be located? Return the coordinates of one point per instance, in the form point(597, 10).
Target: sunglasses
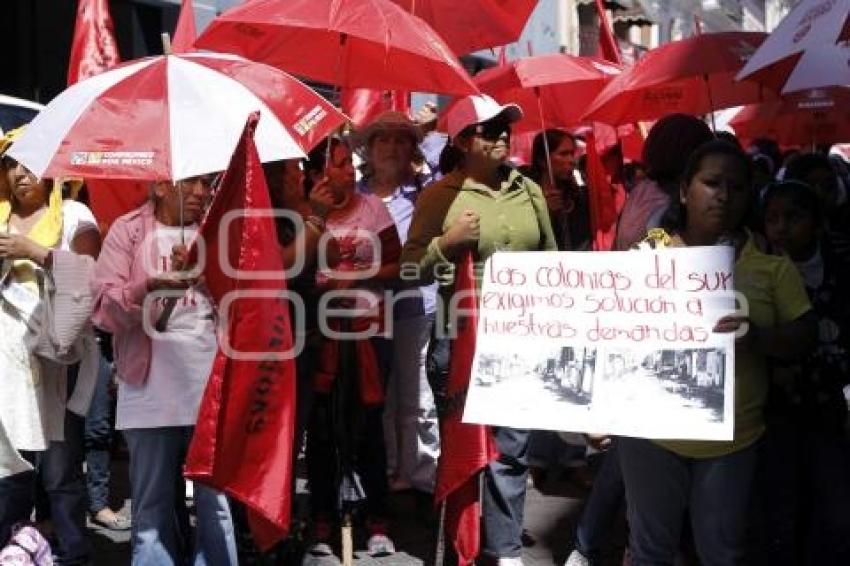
point(492, 131)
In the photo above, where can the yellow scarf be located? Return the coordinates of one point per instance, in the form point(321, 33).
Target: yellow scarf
point(47, 232)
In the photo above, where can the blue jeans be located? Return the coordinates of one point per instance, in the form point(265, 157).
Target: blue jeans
point(504, 482)
point(156, 465)
point(662, 485)
point(60, 469)
point(602, 506)
point(503, 494)
point(98, 440)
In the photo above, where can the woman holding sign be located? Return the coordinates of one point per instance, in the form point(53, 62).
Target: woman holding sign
point(713, 480)
point(483, 206)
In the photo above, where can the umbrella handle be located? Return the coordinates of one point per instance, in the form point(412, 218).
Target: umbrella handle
point(545, 138)
point(347, 541)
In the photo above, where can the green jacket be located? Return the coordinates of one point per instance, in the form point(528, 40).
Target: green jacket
point(515, 219)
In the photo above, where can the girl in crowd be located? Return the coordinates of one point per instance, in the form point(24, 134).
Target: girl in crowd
point(482, 206)
point(368, 249)
point(806, 471)
point(35, 222)
point(713, 480)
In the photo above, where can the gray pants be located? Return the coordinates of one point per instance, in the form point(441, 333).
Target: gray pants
point(503, 497)
point(410, 416)
point(661, 485)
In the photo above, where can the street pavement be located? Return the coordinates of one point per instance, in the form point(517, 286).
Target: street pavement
point(551, 516)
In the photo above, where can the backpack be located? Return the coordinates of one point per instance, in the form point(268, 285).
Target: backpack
point(27, 547)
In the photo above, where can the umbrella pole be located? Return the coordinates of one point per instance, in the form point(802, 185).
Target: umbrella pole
point(440, 552)
point(170, 303)
point(545, 138)
point(710, 104)
point(343, 40)
point(182, 213)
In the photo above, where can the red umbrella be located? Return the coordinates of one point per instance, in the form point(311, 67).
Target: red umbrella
point(692, 76)
point(471, 25)
point(349, 43)
point(820, 116)
point(553, 90)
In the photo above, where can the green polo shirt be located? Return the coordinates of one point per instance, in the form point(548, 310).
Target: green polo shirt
point(514, 218)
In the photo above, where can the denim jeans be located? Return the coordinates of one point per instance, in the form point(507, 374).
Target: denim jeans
point(156, 465)
point(410, 417)
point(98, 440)
point(504, 482)
point(662, 485)
point(503, 494)
point(602, 506)
point(60, 469)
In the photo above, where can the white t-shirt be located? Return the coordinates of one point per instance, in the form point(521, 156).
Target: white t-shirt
point(181, 357)
point(76, 219)
point(356, 232)
point(32, 399)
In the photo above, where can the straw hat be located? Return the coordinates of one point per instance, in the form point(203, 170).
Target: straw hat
point(391, 120)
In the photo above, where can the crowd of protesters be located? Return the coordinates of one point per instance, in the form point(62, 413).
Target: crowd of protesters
point(386, 213)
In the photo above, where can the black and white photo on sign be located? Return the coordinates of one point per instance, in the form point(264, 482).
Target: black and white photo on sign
point(623, 350)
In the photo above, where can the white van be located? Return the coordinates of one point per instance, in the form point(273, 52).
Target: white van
point(15, 112)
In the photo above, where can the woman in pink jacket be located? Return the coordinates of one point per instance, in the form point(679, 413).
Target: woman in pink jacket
point(162, 373)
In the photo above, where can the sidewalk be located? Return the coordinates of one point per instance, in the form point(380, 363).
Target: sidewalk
point(550, 522)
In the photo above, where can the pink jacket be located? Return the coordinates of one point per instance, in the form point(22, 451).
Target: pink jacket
point(119, 288)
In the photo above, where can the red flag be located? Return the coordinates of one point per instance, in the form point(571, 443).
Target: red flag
point(184, 33)
point(606, 195)
point(465, 448)
point(243, 439)
point(503, 57)
point(93, 49)
point(608, 47)
point(363, 105)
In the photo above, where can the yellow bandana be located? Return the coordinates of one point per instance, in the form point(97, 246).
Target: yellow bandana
point(47, 232)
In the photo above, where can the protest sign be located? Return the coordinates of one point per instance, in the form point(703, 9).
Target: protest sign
point(607, 342)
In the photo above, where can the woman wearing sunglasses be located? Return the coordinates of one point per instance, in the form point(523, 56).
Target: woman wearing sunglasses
point(482, 207)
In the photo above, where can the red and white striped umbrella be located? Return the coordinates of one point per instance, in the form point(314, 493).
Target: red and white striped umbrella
point(173, 117)
point(809, 49)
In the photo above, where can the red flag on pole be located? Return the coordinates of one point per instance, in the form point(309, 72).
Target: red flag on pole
point(93, 49)
point(606, 195)
point(363, 105)
point(184, 33)
point(608, 47)
point(465, 448)
point(243, 438)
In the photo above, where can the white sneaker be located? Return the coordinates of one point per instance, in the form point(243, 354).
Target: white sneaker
point(516, 561)
point(576, 558)
point(320, 554)
point(380, 545)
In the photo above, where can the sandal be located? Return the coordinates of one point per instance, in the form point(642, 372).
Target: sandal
point(114, 521)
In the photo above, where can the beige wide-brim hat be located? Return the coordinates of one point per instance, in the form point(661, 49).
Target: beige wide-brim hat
point(391, 120)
